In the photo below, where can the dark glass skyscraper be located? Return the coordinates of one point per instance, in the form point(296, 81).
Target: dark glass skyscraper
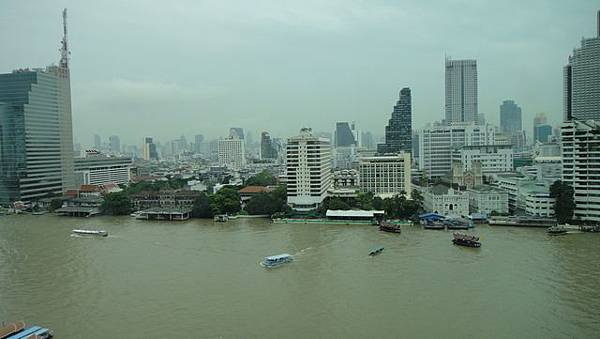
point(510, 117)
point(344, 137)
point(267, 147)
point(398, 132)
point(36, 135)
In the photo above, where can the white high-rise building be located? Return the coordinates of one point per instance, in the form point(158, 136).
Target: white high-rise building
point(580, 146)
point(308, 171)
point(231, 152)
point(461, 91)
point(437, 143)
point(385, 176)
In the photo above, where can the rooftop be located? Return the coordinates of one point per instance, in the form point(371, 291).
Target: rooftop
point(353, 213)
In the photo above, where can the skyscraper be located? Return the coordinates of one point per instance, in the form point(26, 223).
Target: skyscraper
point(581, 81)
point(231, 152)
point(343, 135)
point(150, 152)
point(541, 130)
point(36, 135)
point(115, 144)
point(198, 143)
point(510, 117)
point(461, 91)
point(267, 147)
point(398, 132)
point(97, 142)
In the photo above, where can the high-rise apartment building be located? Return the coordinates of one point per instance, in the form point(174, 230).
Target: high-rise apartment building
point(580, 147)
point(510, 117)
point(398, 132)
point(581, 80)
point(461, 91)
point(150, 152)
point(386, 175)
point(36, 135)
point(437, 143)
point(308, 170)
point(231, 152)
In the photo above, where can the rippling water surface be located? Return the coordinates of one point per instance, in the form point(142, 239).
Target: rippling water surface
point(202, 279)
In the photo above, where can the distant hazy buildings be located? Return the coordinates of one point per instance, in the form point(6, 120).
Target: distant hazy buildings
point(150, 152)
point(510, 117)
point(97, 142)
point(231, 152)
point(385, 176)
point(344, 135)
point(115, 144)
point(581, 80)
point(541, 130)
point(581, 164)
point(36, 136)
point(368, 140)
point(308, 170)
point(398, 132)
point(268, 148)
point(461, 91)
point(198, 143)
point(237, 132)
point(437, 143)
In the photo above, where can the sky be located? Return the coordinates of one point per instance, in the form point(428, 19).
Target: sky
point(186, 67)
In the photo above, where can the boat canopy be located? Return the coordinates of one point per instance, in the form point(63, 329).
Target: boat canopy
point(278, 256)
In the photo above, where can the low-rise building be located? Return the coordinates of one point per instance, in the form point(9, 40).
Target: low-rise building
point(446, 201)
point(487, 199)
point(526, 195)
point(164, 199)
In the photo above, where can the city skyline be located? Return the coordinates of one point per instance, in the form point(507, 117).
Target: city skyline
point(152, 75)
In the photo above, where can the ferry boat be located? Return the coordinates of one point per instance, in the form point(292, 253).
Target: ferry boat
point(91, 232)
point(10, 329)
point(556, 230)
point(389, 227)
point(376, 250)
point(276, 260)
point(466, 240)
point(458, 224)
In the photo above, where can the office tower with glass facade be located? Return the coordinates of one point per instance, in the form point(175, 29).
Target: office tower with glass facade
point(36, 135)
point(461, 91)
point(268, 149)
point(150, 152)
point(581, 81)
point(510, 117)
point(398, 132)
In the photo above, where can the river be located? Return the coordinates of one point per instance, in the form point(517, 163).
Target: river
point(200, 279)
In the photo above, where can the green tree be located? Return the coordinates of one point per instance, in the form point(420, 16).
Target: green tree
point(264, 203)
point(116, 203)
point(203, 206)
point(264, 178)
point(227, 200)
point(338, 204)
point(564, 204)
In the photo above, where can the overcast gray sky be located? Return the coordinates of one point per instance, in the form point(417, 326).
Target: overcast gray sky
point(167, 68)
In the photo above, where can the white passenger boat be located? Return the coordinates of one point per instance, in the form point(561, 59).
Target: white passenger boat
point(276, 260)
point(91, 232)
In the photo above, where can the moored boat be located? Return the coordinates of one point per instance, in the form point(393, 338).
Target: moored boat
point(276, 260)
point(10, 329)
point(376, 250)
point(433, 225)
point(221, 218)
point(556, 230)
point(101, 233)
point(466, 240)
point(389, 227)
point(31, 332)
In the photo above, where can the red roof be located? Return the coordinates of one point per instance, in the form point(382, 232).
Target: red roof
point(255, 189)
